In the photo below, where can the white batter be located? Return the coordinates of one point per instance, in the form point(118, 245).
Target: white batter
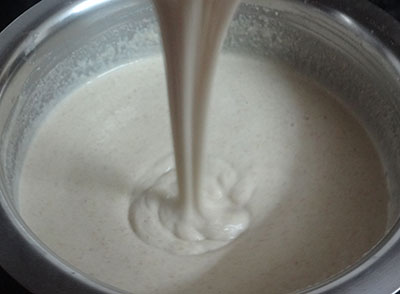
point(319, 204)
point(207, 209)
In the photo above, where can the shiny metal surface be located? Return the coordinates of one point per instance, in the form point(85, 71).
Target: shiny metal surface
point(350, 47)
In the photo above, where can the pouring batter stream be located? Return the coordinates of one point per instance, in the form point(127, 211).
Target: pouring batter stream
point(202, 215)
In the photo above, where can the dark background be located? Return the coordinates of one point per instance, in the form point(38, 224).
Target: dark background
point(10, 9)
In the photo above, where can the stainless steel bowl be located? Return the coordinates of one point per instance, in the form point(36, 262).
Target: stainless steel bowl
point(350, 47)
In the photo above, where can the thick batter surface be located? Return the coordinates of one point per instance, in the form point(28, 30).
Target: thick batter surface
point(319, 201)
